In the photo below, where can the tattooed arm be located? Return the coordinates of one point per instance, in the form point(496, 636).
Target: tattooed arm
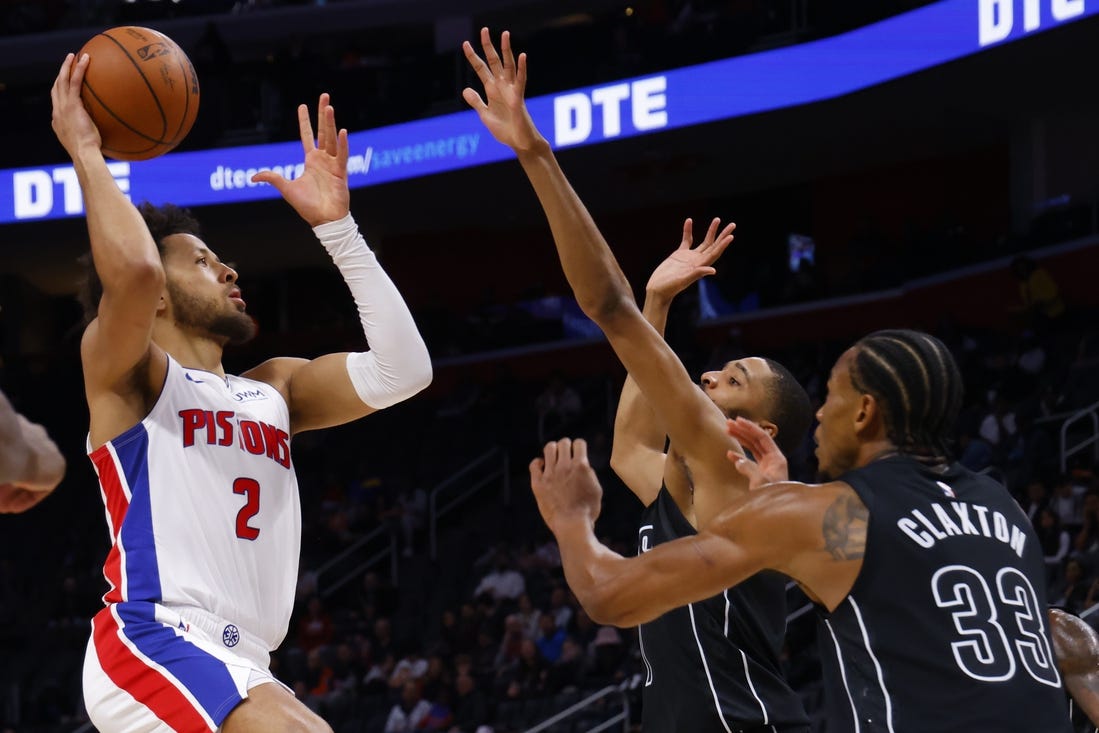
point(816, 534)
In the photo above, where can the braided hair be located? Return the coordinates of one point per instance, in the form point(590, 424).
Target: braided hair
point(915, 380)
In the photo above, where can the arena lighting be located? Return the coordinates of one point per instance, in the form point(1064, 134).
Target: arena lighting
point(809, 72)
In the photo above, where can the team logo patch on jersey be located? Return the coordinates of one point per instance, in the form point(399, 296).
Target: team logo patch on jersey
point(231, 636)
point(192, 379)
point(249, 395)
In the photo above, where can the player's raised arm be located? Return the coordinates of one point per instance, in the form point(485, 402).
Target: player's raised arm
point(338, 388)
point(780, 530)
point(125, 256)
point(31, 466)
point(638, 454)
point(596, 279)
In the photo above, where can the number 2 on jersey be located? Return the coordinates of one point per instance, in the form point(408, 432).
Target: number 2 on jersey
point(987, 651)
point(250, 489)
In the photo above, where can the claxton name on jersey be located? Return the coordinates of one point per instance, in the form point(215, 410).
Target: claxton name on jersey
point(957, 519)
point(223, 428)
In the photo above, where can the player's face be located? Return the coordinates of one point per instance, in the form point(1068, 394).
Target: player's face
point(837, 441)
point(203, 291)
point(740, 387)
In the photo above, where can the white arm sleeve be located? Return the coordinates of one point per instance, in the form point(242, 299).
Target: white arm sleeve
point(397, 365)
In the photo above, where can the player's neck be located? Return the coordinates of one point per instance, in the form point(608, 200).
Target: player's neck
point(875, 450)
point(196, 352)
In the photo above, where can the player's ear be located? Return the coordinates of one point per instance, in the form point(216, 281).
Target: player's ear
point(868, 416)
point(768, 427)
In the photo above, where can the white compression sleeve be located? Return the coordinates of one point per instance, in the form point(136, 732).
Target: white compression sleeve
point(397, 365)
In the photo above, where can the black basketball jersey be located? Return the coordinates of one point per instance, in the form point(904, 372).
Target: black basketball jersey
point(945, 629)
point(714, 665)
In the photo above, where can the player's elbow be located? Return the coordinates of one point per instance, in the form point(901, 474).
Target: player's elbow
point(609, 610)
point(608, 307)
point(138, 276)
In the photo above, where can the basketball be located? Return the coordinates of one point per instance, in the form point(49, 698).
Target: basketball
point(140, 90)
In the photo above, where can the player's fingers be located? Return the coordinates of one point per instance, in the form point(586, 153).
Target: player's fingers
point(711, 231)
point(507, 56)
point(491, 57)
point(564, 451)
point(480, 68)
point(305, 129)
point(80, 68)
point(747, 468)
point(537, 466)
point(521, 76)
point(322, 122)
point(549, 453)
point(272, 178)
point(580, 450)
point(688, 234)
point(342, 148)
point(473, 99)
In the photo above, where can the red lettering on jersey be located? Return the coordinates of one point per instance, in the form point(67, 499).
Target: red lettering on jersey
point(192, 421)
point(252, 437)
point(277, 448)
point(211, 428)
point(224, 419)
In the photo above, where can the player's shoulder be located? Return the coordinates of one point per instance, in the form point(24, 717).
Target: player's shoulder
point(276, 371)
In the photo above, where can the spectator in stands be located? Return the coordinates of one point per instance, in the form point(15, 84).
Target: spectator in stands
point(1055, 542)
point(503, 582)
point(998, 425)
point(528, 617)
point(1086, 543)
point(407, 514)
point(382, 638)
point(608, 654)
point(437, 678)
point(378, 594)
point(440, 715)
point(582, 628)
point(470, 706)
point(1075, 592)
point(558, 406)
point(525, 678)
point(1067, 502)
point(1037, 498)
point(407, 714)
point(559, 606)
point(550, 639)
point(513, 637)
point(1041, 302)
point(568, 671)
point(410, 667)
point(315, 626)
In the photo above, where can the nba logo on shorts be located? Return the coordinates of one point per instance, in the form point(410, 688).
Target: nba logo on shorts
point(230, 637)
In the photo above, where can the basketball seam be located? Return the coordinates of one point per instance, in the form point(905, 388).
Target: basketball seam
point(156, 99)
point(127, 125)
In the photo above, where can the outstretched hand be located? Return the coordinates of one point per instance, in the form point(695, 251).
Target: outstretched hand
point(502, 110)
point(769, 465)
point(564, 483)
point(320, 193)
point(70, 121)
point(689, 264)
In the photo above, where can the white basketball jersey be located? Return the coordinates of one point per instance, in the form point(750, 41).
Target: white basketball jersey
point(202, 502)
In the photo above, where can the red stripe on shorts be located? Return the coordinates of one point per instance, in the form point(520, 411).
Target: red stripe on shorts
point(146, 683)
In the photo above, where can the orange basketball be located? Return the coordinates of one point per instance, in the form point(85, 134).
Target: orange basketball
point(141, 90)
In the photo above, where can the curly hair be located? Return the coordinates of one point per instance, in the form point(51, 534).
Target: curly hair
point(162, 221)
